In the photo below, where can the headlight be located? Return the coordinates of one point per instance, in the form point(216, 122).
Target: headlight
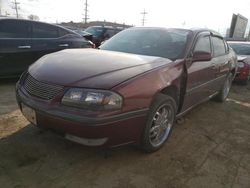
point(241, 64)
point(92, 99)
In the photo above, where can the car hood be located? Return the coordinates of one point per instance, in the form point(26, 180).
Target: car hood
point(92, 68)
point(245, 58)
point(242, 57)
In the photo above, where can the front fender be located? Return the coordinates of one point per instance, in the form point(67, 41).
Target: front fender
point(140, 91)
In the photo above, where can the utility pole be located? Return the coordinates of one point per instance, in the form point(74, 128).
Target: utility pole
point(143, 17)
point(0, 8)
point(15, 3)
point(86, 11)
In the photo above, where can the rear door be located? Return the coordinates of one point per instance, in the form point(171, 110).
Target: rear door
point(221, 61)
point(15, 47)
point(45, 39)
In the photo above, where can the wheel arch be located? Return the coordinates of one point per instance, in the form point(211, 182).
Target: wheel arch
point(173, 92)
point(233, 71)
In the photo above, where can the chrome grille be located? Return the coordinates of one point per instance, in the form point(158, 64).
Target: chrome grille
point(40, 89)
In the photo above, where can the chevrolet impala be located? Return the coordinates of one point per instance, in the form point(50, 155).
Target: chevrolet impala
point(130, 90)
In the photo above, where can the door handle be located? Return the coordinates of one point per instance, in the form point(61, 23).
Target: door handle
point(63, 45)
point(24, 47)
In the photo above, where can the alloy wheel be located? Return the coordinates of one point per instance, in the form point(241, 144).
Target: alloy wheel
point(161, 125)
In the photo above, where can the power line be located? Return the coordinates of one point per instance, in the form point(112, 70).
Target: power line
point(143, 17)
point(15, 3)
point(86, 11)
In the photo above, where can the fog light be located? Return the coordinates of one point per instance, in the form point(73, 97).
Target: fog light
point(86, 141)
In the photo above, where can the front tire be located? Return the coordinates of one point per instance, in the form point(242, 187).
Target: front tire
point(159, 124)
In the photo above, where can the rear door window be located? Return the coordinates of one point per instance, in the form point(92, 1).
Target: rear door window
point(41, 30)
point(14, 29)
point(219, 46)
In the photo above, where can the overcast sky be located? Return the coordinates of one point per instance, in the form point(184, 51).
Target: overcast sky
point(213, 14)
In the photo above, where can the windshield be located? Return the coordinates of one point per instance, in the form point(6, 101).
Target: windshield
point(241, 48)
point(147, 41)
point(95, 31)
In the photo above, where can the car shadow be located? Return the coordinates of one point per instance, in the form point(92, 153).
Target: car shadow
point(7, 97)
point(31, 156)
point(8, 80)
point(31, 144)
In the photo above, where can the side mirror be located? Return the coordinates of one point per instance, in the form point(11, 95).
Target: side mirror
point(202, 56)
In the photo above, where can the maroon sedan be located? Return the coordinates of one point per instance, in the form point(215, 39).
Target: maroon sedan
point(131, 90)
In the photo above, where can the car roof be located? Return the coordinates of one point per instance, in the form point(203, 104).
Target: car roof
point(21, 19)
point(32, 21)
point(195, 31)
point(156, 28)
point(238, 42)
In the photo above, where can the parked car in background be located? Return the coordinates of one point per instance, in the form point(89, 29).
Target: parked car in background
point(242, 49)
point(85, 34)
point(102, 33)
point(129, 91)
point(82, 32)
point(22, 42)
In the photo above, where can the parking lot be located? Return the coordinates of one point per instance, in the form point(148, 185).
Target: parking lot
point(210, 149)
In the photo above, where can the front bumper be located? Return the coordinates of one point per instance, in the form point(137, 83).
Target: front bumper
point(110, 131)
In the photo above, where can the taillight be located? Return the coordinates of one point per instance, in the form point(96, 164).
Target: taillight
point(241, 64)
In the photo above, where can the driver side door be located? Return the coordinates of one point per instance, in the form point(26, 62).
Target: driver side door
point(200, 74)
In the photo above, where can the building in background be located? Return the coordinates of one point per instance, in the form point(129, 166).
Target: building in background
point(238, 27)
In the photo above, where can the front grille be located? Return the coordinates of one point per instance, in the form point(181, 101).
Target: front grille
point(40, 89)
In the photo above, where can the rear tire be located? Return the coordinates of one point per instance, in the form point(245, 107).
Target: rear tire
point(160, 122)
point(223, 93)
